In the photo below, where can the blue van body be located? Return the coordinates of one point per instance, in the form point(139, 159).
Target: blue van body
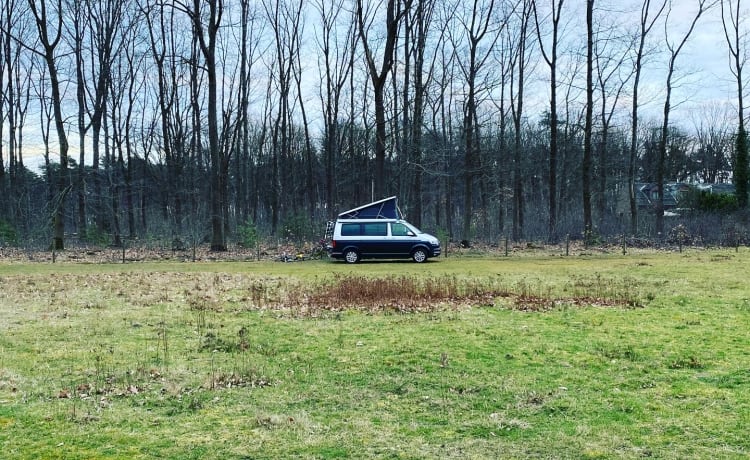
point(356, 239)
point(378, 230)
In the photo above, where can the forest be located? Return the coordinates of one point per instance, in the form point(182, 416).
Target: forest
point(225, 121)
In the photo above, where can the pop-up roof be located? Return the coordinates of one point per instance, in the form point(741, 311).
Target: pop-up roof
point(387, 208)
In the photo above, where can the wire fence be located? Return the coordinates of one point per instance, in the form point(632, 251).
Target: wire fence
point(166, 250)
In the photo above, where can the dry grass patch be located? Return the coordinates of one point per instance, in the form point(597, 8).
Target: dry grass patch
point(52, 294)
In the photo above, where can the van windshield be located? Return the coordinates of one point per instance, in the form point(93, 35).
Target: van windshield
point(404, 229)
point(415, 229)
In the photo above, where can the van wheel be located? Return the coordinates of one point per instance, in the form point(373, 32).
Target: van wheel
point(419, 256)
point(351, 256)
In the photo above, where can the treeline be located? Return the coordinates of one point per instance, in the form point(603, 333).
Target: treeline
point(210, 120)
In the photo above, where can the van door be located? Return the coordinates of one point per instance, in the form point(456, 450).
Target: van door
point(401, 240)
point(374, 239)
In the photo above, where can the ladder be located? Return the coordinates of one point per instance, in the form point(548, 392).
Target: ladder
point(329, 230)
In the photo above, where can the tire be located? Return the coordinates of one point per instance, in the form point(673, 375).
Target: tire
point(351, 256)
point(419, 255)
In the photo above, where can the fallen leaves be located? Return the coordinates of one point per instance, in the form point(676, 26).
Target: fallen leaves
point(86, 391)
point(239, 380)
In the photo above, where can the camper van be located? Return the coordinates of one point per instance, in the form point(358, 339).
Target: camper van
point(378, 230)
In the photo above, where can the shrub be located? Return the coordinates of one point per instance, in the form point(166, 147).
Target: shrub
point(297, 227)
point(8, 235)
point(442, 235)
point(592, 238)
point(679, 235)
point(97, 236)
point(247, 234)
point(720, 202)
point(712, 202)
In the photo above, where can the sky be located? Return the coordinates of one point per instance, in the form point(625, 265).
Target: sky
point(703, 77)
point(704, 85)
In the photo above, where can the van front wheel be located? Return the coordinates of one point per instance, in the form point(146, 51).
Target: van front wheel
point(351, 256)
point(419, 255)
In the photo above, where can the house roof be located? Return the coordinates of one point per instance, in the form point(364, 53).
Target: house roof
point(647, 194)
point(387, 208)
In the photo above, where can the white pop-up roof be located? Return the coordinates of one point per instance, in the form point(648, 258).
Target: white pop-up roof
point(387, 208)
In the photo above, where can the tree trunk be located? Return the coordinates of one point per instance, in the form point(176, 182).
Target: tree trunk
point(50, 44)
point(394, 14)
point(646, 27)
point(218, 180)
point(586, 164)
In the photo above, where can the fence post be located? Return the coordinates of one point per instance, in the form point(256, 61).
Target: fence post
point(567, 244)
point(506, 245)
point(624, 244)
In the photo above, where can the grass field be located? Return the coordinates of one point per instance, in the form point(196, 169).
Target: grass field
point(592, 356)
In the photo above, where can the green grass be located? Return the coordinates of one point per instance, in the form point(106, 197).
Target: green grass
point(596, 356)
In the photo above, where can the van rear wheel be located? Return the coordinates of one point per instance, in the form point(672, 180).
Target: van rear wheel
point(351, 256)
point(419, 255)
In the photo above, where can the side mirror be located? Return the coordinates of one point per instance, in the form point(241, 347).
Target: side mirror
point(410, 233)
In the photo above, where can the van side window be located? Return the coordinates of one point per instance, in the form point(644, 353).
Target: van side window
point(375, 229)
point(350, 230)
point(400, 230)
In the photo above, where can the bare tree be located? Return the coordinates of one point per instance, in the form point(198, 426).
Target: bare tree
point(646, 24)
point(309, 191)
point(710, 155)
point(39, 91)
point(731, 20)
point(674, 51)
point(249, 30)
point(5, 39)
point(410, 82)
point(395, 12)
point(15, 95)
point(611, 76)
point(206, 18)
point(519, 67)
point(105, 17)
point(126, 84)
point(442, 102)
point(94, 27)
point(80, 26)
point(49, 27)
point(284, 19)
point(334, 50)
point(588, 130)
point(504, 58)
point(475, 29)
point(422, 76)
point(550, 57)
point(161, 26)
